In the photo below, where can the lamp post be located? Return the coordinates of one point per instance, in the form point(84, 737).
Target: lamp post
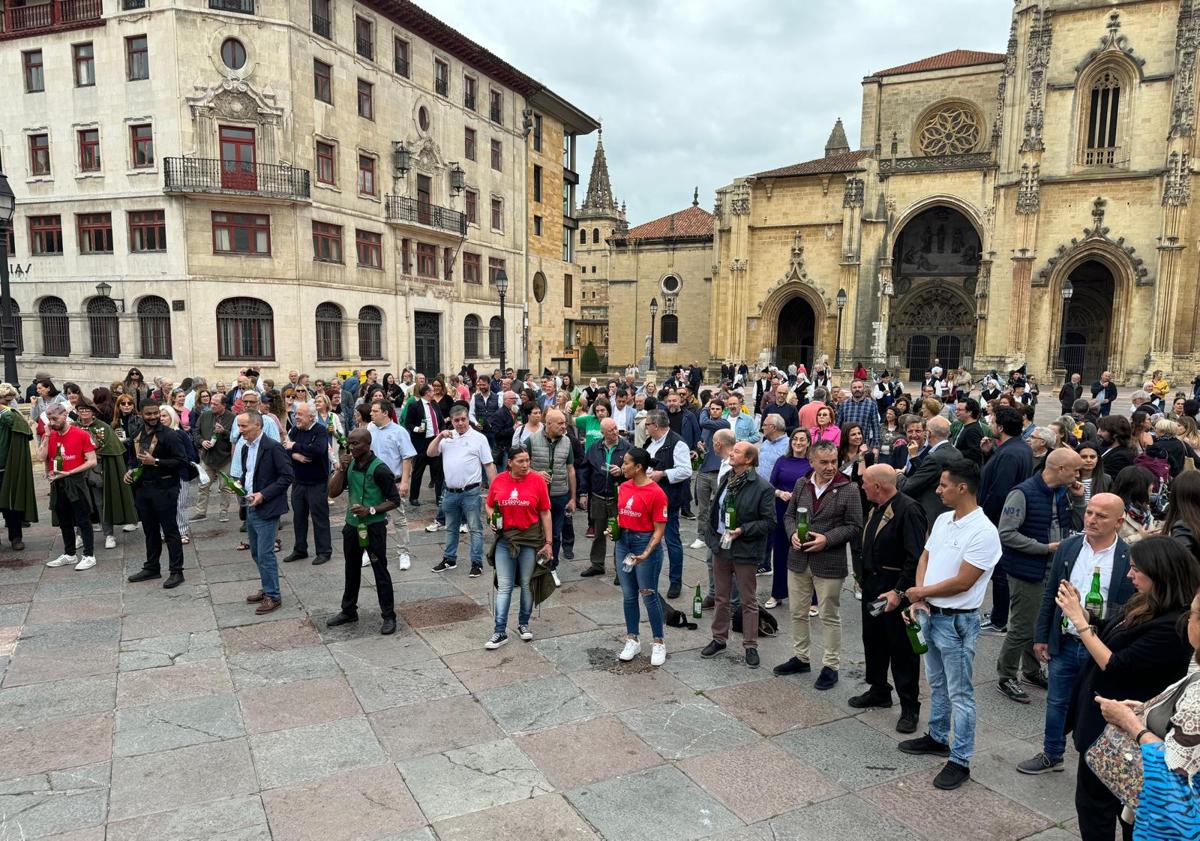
point(401, 158)
point(502, 288)
point(8, 333)
point(653, 316)
point(837, 352)
point(1068, 290)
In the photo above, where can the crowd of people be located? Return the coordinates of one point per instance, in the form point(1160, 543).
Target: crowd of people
point(1085, 531)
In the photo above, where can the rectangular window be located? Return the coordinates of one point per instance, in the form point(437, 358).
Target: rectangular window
point(497, 214)
point(447, 264)
point(95, 233)
point(327, 242)
point(45, 235)
point(537, 132)
point(241, 233)
point(405, 257)
point(497, 156)
point(85, 65)
point(426, 260)
point(322, 18)
point(89, 150)
point(496, 106)
point(326, 163)
point(364, 37)
point(141, 138)
point(568, 290)
point(401, 57)
point(39, 154)
point(322, 81)
point(366, 175)
point(370, 249)
point(35, 74)
point(10, 239)
point(537, 226)
point(441, 77)
point(147, 231)
point(472, 207)
point(469, 87)
point(537, 183)
point(469, 143)
point(472, 268)
point(495, 266)
point(137, 58)
point(366, 100)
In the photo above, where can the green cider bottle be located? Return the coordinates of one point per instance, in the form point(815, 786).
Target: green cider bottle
point(697, 604)
point(1093, 602)
point(802, 525)
point(234, 486)
point(614, 527)
point(730, 515)
point(58, 460)
point(497, 518)
point(916, 638)
point(363, 538)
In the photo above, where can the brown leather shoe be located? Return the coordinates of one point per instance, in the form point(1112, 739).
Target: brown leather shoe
point(255, 598)
point(268, 604)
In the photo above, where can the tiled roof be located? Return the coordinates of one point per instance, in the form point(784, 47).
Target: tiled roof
point(944, 61)
point(846, 162)
point(690, 222)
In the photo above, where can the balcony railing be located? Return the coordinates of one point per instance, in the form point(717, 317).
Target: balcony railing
point(442, 86)
point(1101, 156)
point(365, 47)
point(128, 5)
point(404, 209)
point(469, 100)
point(322, 26)
point(242, 7)
point(209, 175)
point(31, 19)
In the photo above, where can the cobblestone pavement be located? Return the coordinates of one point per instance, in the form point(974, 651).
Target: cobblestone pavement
point(132, 712)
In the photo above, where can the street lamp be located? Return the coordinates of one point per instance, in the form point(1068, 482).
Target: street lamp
point(502, 288)
point(841, 305)
point(401, 158)
point(1068, 290)
point(653, 316)
point(458, 178)
point(8, 332)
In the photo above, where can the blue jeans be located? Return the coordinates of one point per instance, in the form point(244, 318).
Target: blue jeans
point(674, 548)
point(260, 534)
point(948, 665)
point(558, 514)
point(507, 570)
point(644, 577)
point(1065, 666)
point(459, 506)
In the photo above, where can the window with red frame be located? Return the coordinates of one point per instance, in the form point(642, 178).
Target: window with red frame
point(147, 231)
point(426, 260)
point(137, 58)
point(35, 74)
point(472, 268)
point(45, 235)
point(39, 154)
point(241, 233)
point(495, 266)
point(327, 242)
point(370, 249)
point(141, 139)
point(469, 143)
point(95, 233)
point(85, 65)
point(322, 81)
point(326, 163)
point(366, 100)
point(472, 207)
point(89, 150)
point(366, 175)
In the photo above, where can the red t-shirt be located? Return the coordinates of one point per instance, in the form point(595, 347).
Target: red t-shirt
point(639, 508)
point(75, 444)
point(520, 501)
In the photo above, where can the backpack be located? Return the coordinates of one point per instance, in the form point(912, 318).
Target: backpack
point(768, 625)
point(1160, 467)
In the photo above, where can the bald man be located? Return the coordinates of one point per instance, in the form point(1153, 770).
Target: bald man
point(893, 539)
point(1076, 560)
point(552, 454)
point(1038, 515)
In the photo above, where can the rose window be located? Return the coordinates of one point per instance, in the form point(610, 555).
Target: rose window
point(952, 130)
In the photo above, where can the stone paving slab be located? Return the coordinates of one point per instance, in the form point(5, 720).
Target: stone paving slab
point(299, 704)
point(380, 687)
point(538, 704)
point(159, 782)
point(546, 818)
point(176, 724)
point(367, 803)
point(680, 729)
point(623, 688)
point(844, 819)
point(170, 650)
point(420, 729)
point(261, 668)
point(54, 802)
point(306, 754)
point(173, 683)
point(41, 702)
point(55, 745)
point(270, 636)
point(235, 819)
point(852, 754)
point(576, 754)
point(774, 705)
point(100, 606)
point(463, 780)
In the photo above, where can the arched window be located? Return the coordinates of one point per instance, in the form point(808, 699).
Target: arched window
point(1103, 128)
point(245, 329)
point(154, 325)
point(595, 235)
point(104, 328)
point(668, 333)
point(495, 336)
point(56, 327)
point(14, 312)
point(471, 336)
point(370, 333)
point(329, 332)
point(583, 237)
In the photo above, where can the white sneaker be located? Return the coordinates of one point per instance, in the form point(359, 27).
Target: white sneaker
point(434, 526)
point(698, 544)
point(62, 561)
point(632, 649)
point(86, 562)
point(462, 528)
point(130, 527)
point(405, 560)
point(658, 654)
point(110, 542)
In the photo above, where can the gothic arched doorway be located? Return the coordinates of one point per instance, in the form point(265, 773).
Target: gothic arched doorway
point(1086, 324)
point(797, 334)
point(933, 322)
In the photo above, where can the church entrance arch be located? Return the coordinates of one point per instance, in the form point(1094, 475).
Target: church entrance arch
point(1087, 321)
point(796, 334)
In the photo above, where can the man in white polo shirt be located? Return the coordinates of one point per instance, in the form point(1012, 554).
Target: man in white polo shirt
point(952, 578)
point(465, 455)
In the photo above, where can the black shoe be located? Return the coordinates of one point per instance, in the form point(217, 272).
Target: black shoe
point(320, 559)
point(762, 571)
point(827, 679)
point(445, 565)
point(340, 618)
point(712, 649)
point(144, 574)
point(1037, 679)
point(871, 698)
point(295, 556)
point(242, 527)
point(951, 776)
point(687, 515)
point(616, 581)
point(569, 554)
point(1009, 688)
point(752, 660)
point(475, 572)
point(388, 627)
point(924, 745)
point(673, 591)
point(908, 721)
point(590, 571)
point(794, 666)
point(173, 581)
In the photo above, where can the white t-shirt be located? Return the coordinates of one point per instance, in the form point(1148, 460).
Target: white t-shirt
point(463, 457)
point(973, 539)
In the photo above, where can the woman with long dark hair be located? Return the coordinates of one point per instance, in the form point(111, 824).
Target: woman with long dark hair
point(1183, 512)
point(1119, 452)
point(1133, 485)
point(642, 519)
point(136, 386)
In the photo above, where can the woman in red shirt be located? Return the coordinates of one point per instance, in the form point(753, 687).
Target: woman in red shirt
point(642, 518)
point(522, 499)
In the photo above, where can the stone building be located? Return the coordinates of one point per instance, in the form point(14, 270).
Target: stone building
point(322, 185)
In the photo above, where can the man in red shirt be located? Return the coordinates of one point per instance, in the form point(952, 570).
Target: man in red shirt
point(70, 453)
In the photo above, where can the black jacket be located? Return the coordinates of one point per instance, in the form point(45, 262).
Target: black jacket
point(169, 451)
point(1049, 622)
point(591, 477)
point(272, 477)
point(754, 505)
point(1116, 459)
point(1009, 465)
point(892, 542)
point(967, 442)
point(921, 484)
point(313, 443)
point(414, 416)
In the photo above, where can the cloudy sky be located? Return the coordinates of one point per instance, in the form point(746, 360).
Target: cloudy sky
point(696, 93)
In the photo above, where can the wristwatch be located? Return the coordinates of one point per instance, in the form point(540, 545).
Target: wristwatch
point(371, 510)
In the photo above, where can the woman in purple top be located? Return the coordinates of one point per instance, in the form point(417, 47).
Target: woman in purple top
point(784, 476)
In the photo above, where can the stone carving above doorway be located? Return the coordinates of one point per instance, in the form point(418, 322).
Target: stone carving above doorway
point(1097, 235)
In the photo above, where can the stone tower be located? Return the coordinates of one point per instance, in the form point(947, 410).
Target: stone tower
point(837, 144)
point(599, 218)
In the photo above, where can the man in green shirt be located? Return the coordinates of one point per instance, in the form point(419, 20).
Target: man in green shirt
point(599, 476)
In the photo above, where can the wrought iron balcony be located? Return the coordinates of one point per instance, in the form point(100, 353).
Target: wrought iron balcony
point(405, 210)
point(209, 175)
point(242, 7)
point(57, 14)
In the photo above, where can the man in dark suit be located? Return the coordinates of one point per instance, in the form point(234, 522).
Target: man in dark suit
point(906, 457)
point(921, 483)
point(970, 434)
point(892, 542)
point(266, 477)
point(1071, 391)
point(1009, 463)
point(424, 422)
